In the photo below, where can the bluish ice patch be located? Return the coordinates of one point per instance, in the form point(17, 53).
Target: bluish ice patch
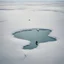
point(36, 36)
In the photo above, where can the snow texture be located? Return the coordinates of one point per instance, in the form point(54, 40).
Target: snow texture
point(11, 51)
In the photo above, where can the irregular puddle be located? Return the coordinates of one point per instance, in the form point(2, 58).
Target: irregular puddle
point(35, 35)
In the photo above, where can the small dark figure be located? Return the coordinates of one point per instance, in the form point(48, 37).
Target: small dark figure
point(37, 30)
point(29, 19)
point(36, 42)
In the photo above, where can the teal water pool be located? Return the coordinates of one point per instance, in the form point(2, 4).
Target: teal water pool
point(35, 35)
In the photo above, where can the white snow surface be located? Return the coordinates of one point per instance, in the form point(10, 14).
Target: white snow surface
point(11, 51)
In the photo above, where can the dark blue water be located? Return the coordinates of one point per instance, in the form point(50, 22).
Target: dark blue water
point(35, 35)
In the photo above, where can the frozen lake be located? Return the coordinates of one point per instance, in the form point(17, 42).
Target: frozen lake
point(47, 17)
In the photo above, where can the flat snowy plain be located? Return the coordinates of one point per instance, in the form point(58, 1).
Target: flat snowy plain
point(42, 16)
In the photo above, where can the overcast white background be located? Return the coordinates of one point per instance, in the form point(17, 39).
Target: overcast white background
point(32, 0)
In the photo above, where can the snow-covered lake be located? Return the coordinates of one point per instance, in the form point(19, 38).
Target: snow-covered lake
point(47, 17)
